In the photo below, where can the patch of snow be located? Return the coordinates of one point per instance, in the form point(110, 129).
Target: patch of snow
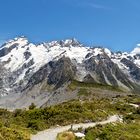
point(21, 41)
point(46, 52)
point(106, 79)
point(120, 65)
point(68, 41)
point(81, 72)
point(17, 58)
point(78, 53)
point(21, 77)
point(137, 62)
point(108, 52)
point(97, 51)
point(53, 43)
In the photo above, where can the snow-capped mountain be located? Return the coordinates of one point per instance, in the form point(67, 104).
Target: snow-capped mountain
point(27, 68)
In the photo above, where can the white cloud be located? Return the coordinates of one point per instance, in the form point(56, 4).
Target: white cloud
point(86, 3)
point(96, 6)
point(93, 5)
point(136, 50)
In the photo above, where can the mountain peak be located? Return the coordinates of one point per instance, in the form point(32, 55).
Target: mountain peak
point(70, 42)
point(21, 40)
point(18, 39)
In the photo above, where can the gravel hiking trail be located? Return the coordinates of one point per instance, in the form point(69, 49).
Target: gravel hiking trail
point(51, 134)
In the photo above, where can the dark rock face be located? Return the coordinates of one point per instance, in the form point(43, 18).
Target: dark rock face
point(137, 56)
point(89, 79)
point(121, 76)
point(106, 70)
point(4, 80)
point(62, 71)
point(38, 77)
point(134, 70)
point(27, 55)
point(88, 55)
point(5, 51)
point(102, 66)
point(90, 64)
point(1, 83)
point(57, 73)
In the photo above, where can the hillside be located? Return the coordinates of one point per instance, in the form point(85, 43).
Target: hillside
point(44, 73)
point(21, 123)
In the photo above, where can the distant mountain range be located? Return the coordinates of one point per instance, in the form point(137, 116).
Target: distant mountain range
point(35, 73)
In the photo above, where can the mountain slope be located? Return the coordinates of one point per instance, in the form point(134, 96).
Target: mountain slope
point(40, 71)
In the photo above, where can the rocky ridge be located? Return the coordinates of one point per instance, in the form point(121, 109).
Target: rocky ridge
point(36, 72)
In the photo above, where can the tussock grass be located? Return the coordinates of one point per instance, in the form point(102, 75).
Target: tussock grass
point(66, 136)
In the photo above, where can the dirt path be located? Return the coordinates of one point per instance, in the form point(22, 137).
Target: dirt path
point(51, 134)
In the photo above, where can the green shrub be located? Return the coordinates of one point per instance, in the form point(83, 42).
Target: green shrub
point(13, 134)
point(119, 131)
point(32, 106)
point(36, 125)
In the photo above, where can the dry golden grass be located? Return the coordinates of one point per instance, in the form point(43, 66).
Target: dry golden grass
point(66, 136)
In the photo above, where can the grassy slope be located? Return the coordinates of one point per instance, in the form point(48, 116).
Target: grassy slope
point(129, 130)
point(74, 84)
point(20, 123)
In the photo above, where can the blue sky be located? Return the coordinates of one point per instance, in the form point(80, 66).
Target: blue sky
point(114, 24)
